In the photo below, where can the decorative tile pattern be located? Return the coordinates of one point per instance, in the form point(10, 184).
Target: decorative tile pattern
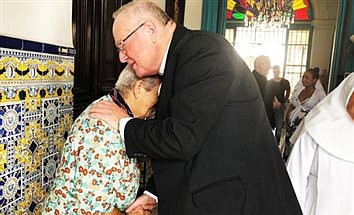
point(50, 113)
point(49, 165)
point(11, 187)
point(11, 121)
point(36, 109)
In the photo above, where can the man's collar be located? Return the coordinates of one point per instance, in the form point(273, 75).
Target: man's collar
point(163, 64)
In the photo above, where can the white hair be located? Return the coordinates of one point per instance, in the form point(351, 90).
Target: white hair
point(127, 80)
point(143, 10)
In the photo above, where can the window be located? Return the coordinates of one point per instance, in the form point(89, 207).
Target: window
point(288, 48)
point(296, 55)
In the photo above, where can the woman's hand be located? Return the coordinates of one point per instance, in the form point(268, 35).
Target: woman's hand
point(143, 202)
point(139, 211)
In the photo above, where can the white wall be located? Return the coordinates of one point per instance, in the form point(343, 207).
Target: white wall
point(192, 13)
point(50, 21)
point(46, 21)
point(322, 41)
point(160, 3)
point(325, 16)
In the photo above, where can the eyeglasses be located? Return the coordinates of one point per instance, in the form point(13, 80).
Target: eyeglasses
point(121, 45)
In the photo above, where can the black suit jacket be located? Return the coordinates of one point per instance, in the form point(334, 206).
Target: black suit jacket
point(212, 148)
point(266, 95)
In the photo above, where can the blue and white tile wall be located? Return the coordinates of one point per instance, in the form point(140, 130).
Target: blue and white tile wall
point(36, 109)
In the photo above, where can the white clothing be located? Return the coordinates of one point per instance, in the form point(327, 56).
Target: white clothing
point(323, 183)
point(301, 108)
point(321, 164)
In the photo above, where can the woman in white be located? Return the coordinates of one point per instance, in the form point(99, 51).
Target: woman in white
point(306, 94)
point(321, 164)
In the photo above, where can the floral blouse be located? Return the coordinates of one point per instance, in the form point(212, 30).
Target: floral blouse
point(95, 174)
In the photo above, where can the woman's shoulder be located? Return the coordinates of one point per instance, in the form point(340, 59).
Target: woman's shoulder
point(86, 112)
point(91, 127)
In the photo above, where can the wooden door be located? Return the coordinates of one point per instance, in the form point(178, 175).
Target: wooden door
point(96, 62)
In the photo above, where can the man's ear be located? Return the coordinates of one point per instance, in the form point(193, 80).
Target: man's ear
point(152, 30)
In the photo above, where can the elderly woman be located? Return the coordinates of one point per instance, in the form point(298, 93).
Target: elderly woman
point(95, 175)
point(321, 164)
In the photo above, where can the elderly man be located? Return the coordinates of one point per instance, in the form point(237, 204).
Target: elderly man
point(262, 66)
point(212, 149)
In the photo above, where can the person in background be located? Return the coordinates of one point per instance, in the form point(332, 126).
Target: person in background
point(262, 66)
point(95, 175)
point(321, 164)
point(280, 90)
point(211, 146)
point(306, 94)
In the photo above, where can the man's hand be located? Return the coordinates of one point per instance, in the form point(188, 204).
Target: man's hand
point(144, 202)
point(109, 112)
point(276, 104)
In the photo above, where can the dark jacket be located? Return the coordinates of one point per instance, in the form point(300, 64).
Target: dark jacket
point(261, 82)
point(212, 148)
point(266, 95)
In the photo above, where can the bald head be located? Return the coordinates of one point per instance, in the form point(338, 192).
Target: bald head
point(137, 12)
point(142, 10)
point(142, 31)
point(262, 64)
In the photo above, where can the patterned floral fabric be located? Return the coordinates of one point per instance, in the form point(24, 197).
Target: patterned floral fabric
point(95, 174)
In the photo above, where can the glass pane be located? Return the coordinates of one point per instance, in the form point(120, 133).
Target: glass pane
point(296, 60)
point(229, 35)
point(293, 74)
point(252, 42)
